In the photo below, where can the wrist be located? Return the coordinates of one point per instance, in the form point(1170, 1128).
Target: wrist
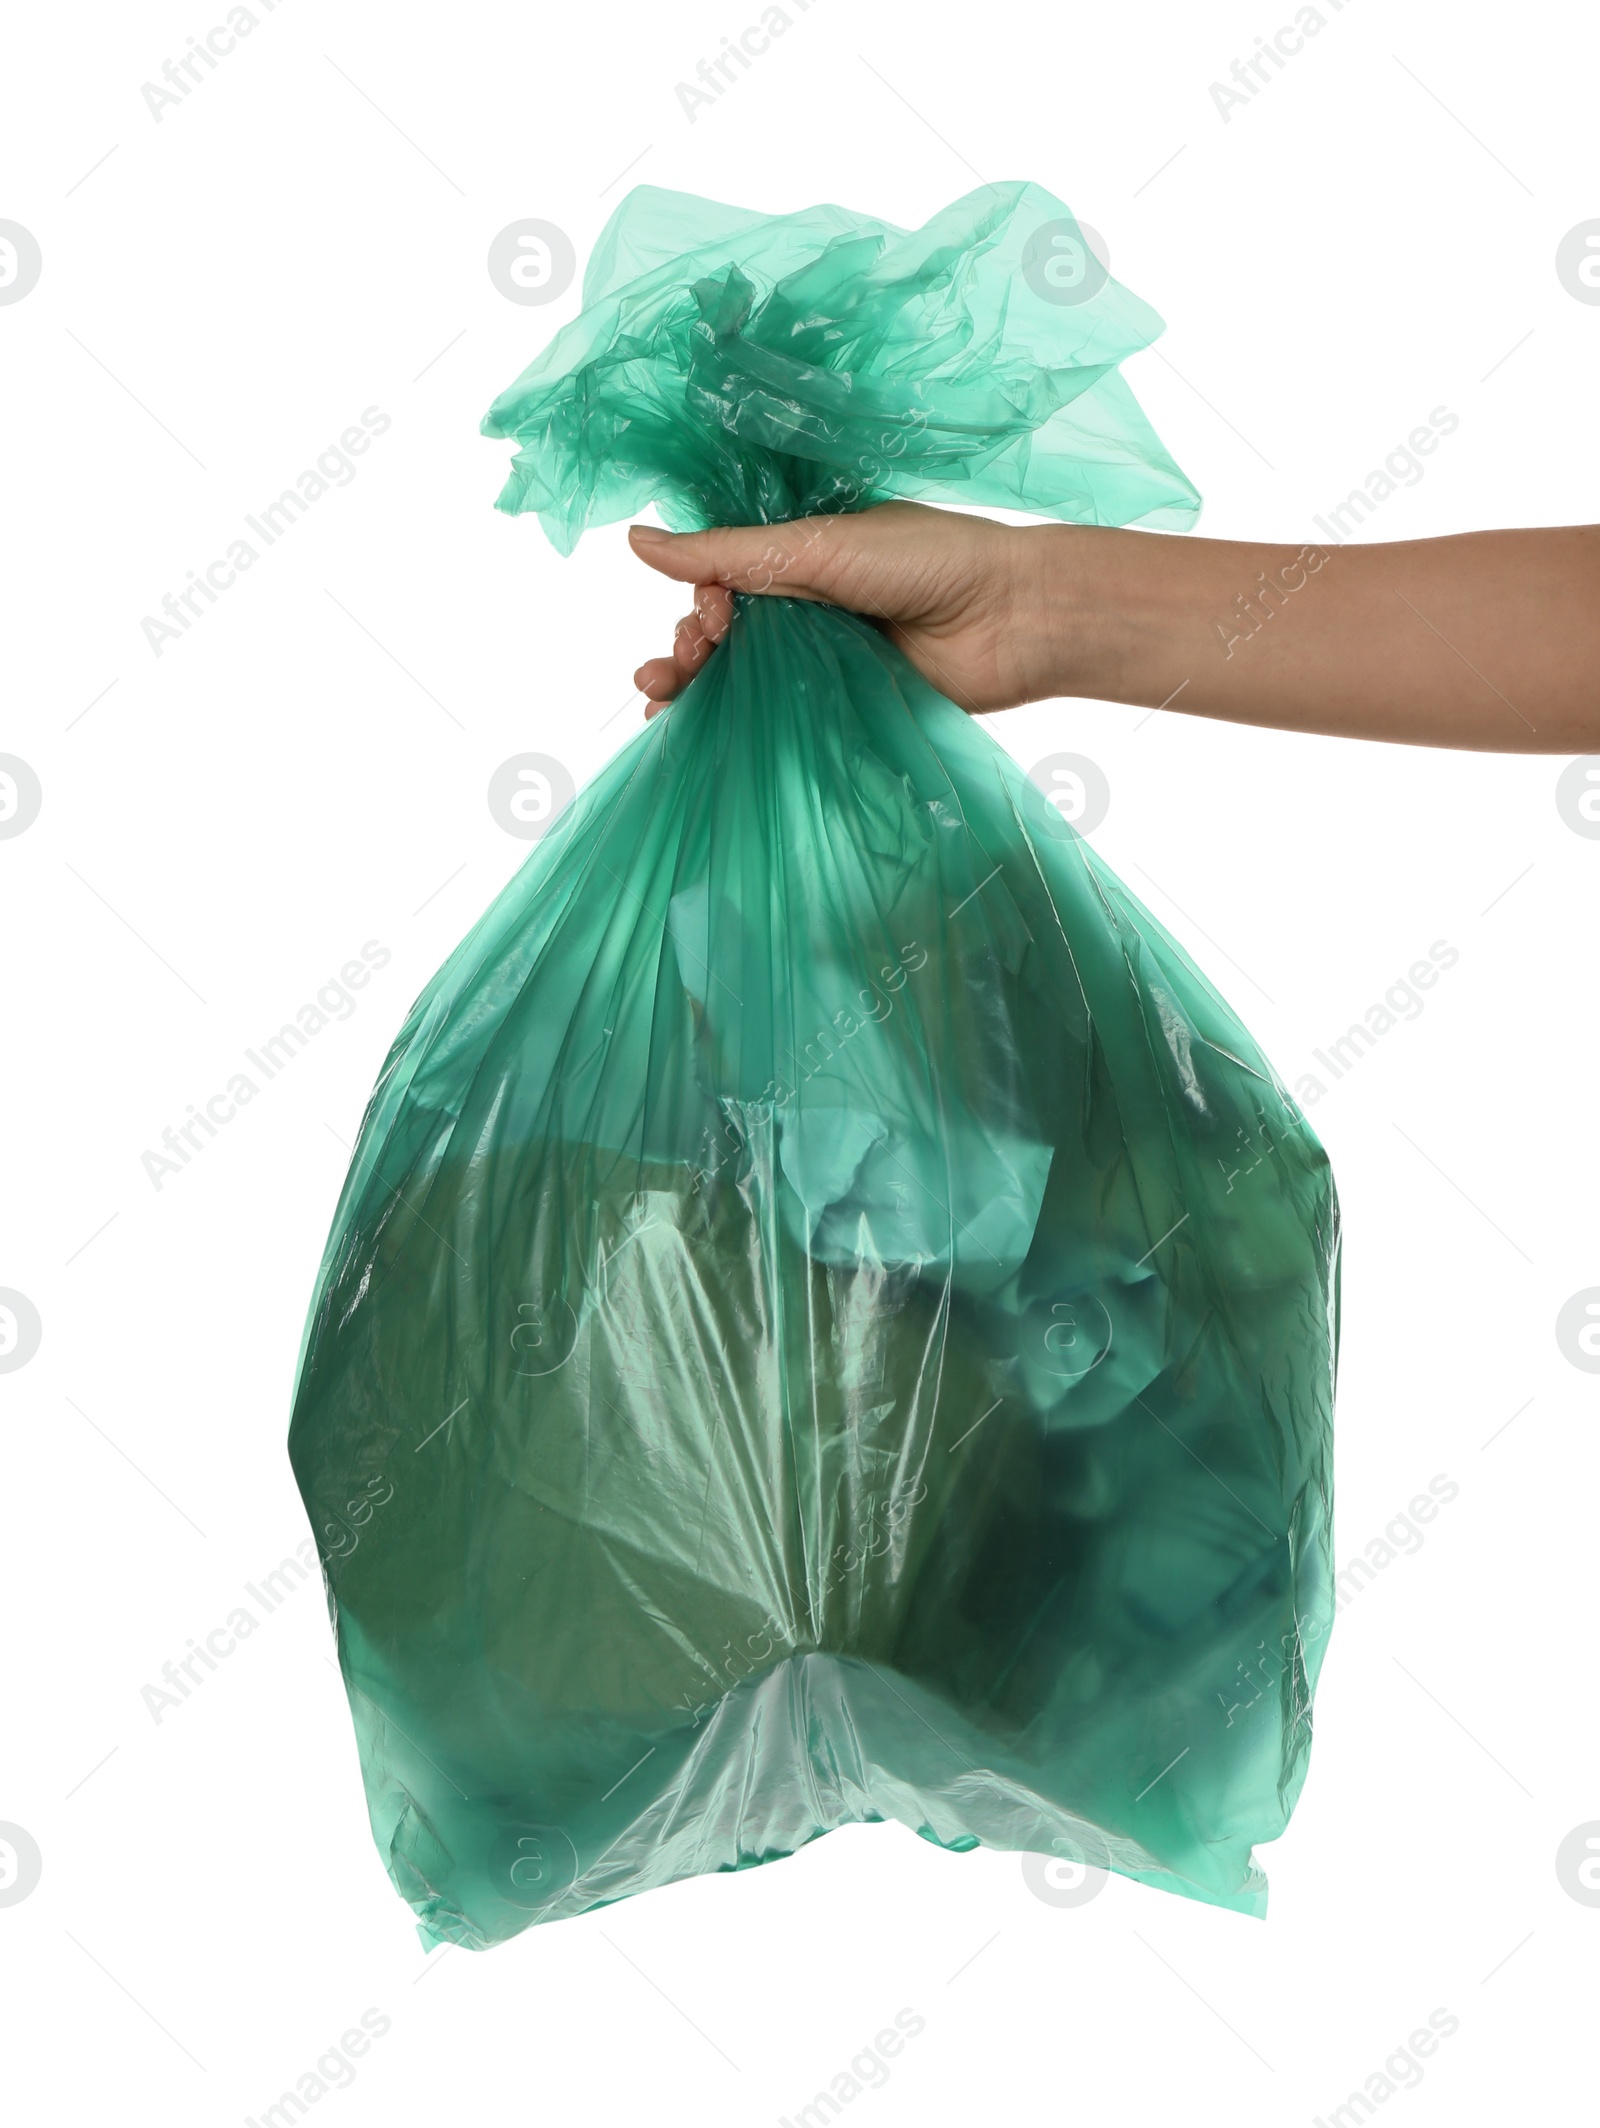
point(1079, 613)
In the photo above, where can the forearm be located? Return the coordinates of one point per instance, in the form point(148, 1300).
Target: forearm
point(1489, 640)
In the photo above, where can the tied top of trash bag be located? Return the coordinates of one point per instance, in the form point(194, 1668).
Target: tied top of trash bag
point(736, 368)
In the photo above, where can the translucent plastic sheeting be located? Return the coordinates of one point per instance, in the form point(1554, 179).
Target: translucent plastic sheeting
point(831, 1316)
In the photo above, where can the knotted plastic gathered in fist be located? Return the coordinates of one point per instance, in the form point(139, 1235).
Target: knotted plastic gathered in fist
point(838, 1313)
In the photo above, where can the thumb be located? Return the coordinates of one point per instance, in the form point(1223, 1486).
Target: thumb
point(784, 559)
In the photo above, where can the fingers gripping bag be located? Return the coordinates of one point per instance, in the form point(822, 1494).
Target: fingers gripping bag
point(831, 1317)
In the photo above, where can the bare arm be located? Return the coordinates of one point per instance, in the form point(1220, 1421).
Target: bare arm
point(1487, 640)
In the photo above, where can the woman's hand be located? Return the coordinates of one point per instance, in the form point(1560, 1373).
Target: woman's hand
point(950, 591)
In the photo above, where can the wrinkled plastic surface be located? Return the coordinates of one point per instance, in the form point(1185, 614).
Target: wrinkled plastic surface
point(831, 1316)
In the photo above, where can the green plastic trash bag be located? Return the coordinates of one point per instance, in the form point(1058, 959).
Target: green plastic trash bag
point(831, 1316)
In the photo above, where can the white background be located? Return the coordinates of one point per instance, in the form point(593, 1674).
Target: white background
point(304, 236)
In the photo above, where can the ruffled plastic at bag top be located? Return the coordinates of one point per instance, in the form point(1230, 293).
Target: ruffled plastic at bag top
point(739, 369)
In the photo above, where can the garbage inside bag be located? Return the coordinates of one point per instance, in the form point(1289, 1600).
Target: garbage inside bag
point(831, 1316)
